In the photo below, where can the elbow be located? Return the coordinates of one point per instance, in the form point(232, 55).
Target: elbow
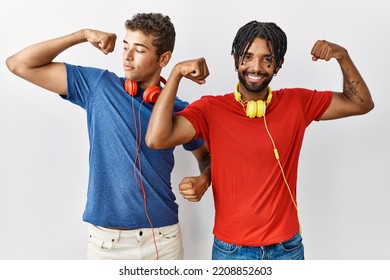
point(13, 65)
point(10, 64)
point(369, 107)
point(153, 143)
point(149, 141)
point(362, 107)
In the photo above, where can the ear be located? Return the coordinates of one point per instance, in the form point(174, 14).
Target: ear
point(278, 68)
point(234, 61)
point(165, 58)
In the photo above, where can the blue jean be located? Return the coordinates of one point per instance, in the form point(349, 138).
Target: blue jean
point(291, 249)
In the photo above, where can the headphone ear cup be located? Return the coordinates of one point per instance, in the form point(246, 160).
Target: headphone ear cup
point(251, 108)
point(237, 95)
point(131, 87)
point(260, 108)
point(151, 94)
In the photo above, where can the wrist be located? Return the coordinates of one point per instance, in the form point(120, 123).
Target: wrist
point(343, 56)
point(84, 34)
point(176, 72)
point(206, 175)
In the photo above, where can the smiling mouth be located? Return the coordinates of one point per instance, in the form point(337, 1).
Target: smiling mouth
point(255, 78)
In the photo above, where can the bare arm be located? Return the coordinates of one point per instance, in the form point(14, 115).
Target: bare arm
point(35, 63)
point(193, 188)
point(355, 98)
point(167, 130)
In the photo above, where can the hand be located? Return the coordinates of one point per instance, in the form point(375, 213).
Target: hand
point(196, 70)
point(325, 50)
point(193, 188)
point(103, 41)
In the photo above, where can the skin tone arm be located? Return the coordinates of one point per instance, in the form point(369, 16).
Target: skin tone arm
point(193, 188)
point(167, 130)
point(35, 63)
point(355, 98)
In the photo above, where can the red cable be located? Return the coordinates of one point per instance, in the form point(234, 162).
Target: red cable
point(138, 160)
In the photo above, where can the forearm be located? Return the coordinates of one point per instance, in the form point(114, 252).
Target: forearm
point(354, 87)
point(43, 53)
point(205, 168)
point(193, 188)
point(165, 129)
point(161, 121)
point(205, 164)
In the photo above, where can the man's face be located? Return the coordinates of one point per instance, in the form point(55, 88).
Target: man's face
point(256, 68)
point(140, 61)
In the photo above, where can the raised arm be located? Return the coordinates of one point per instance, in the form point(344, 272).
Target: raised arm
point(165, 129)
point(355, 98)
point(35, 63)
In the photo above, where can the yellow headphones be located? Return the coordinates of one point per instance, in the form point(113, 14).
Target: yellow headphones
point(253, 108)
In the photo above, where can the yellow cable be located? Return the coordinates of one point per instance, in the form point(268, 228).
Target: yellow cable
point(281, 169)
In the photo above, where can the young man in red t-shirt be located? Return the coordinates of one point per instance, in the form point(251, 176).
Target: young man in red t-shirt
point(255, 135)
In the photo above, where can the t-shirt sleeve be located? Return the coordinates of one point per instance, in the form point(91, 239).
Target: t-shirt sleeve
point(196, 113)
point(314, 103)
point(82, 82)
point(181, 105)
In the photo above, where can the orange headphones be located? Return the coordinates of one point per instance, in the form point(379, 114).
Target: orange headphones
point(150, 94)
point(253, 108)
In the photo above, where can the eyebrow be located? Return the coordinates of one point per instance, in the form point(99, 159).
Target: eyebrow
point(136, 44)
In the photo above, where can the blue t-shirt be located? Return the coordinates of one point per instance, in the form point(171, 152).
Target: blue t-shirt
point(123, 170)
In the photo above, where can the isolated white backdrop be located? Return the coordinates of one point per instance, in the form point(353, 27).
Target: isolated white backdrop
point(343, 186)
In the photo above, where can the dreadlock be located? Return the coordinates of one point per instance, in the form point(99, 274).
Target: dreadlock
point(274, 36)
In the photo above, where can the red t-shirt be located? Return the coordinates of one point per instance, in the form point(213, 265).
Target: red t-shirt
point(253, 206)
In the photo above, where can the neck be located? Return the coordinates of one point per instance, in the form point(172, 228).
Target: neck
point(246, 96)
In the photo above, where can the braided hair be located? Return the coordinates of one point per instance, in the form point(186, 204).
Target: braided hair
point(272, 33)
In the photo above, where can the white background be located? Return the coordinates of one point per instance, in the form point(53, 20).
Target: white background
point(343, 186)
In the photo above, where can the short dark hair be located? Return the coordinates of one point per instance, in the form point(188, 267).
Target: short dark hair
point(269, 31)
point(157, 25)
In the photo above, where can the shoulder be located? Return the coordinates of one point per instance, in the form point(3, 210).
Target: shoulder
point(217, 98)
point(88, 71)
point(299, 93)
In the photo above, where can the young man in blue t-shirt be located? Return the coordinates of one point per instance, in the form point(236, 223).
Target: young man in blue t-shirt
point(131, 210)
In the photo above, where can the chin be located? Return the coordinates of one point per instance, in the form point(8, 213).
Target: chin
point(130, 77)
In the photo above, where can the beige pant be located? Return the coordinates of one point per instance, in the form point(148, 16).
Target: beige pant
point(137, 244)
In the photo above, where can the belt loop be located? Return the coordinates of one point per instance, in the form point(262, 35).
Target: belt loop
point(117, 236)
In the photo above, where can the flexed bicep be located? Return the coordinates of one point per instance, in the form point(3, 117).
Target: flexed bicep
point(182, 130)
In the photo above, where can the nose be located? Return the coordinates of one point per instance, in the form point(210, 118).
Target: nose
point(128, 55)
point(257, 65)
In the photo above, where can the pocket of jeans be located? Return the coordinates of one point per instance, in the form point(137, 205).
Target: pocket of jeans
point(292, 244)
point(170, 232)
point(224, 247)
point(100, 243)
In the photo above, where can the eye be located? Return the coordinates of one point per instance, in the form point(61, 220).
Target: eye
point(248, 57)
point(268, 59)
point(140, 51)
